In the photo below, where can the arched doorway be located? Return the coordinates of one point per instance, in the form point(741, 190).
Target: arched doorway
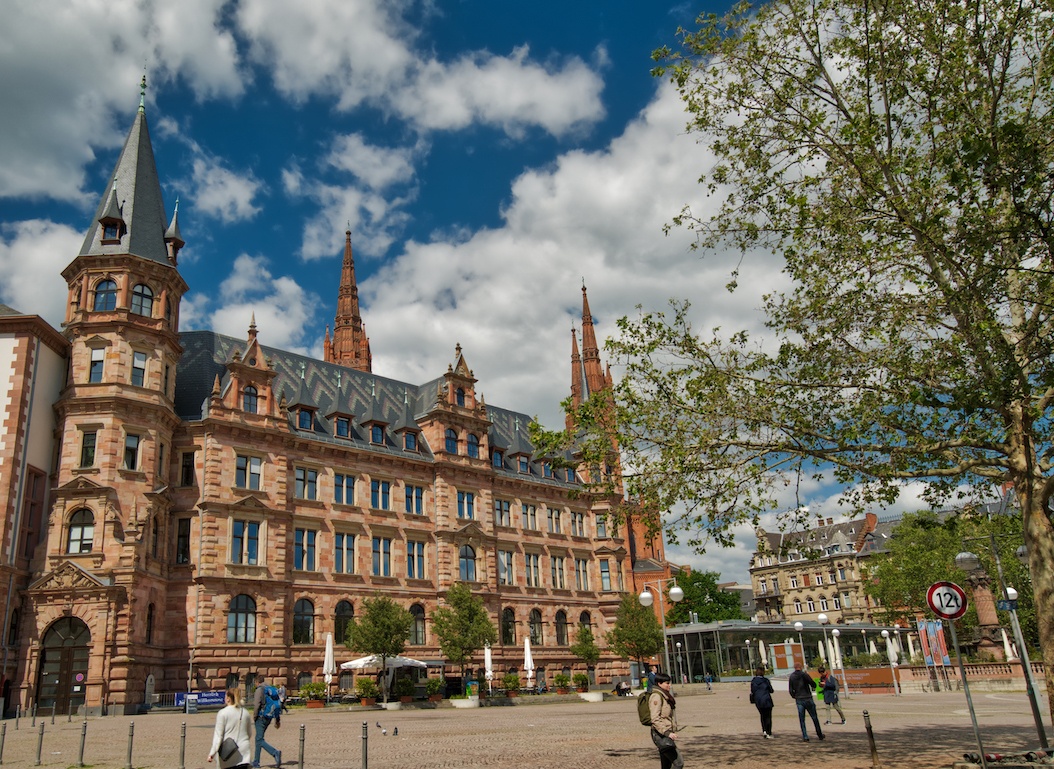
point(62, 681)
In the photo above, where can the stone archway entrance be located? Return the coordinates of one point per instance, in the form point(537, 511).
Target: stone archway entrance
point(63, 677)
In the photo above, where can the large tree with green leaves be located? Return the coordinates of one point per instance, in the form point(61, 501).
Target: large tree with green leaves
point(636, 634)
point(382, 629)
point(585, 646)
point(462, 626)
point(703, 597)
point(897, 156)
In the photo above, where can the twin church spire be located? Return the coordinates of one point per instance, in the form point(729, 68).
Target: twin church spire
point(349, 346)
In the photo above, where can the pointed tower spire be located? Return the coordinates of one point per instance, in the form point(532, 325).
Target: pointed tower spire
point(576, 378)
point(172, 238)
point(351, 346)
point(592, 370)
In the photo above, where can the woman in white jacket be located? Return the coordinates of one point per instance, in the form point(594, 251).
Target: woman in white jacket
point(236, 722)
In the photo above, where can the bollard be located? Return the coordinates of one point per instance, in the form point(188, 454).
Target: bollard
point(84, 736)
point(183, 745)
point(131, 734)
point(69, 716)
point(52, 715)
point(871, 740)
point(365, 742)
point(40, 742)
point(3, 736)
point(18, 715)
point(33, 723)
point(300, 763)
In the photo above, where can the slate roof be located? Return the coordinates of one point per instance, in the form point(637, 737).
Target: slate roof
point(5, 310)
point(334, 389)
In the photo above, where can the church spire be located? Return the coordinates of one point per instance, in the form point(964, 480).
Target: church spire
point(592, 370)
point(576, 378)
point(350, 346)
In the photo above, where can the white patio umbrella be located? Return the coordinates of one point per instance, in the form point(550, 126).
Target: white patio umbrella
point(823, 652)
point(528, 660)
point(488, 664)
point(329, 664)
point(390, 663)
point(1006, 646)
point(872, 648)
point(764, 653)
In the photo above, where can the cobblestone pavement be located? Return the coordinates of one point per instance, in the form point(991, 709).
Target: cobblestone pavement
point(720, 729)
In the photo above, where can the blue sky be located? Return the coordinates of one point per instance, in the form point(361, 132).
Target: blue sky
point(489, 157)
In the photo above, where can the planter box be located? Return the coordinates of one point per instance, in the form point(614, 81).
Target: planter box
point(435, 697)
point(592, 696)
point(562, 690)
point(465, 703)
point(368, 701)
point(315, 704)
point(394, 705)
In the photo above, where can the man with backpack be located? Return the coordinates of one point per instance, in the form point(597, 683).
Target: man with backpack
point(267, 707)
point(657, 708)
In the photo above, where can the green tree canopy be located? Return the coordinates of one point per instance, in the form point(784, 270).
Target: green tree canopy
point(636, 634)
point(585, 646)
point(462, 626)
point(382, 629)
point(703, 597)
point(896, 155)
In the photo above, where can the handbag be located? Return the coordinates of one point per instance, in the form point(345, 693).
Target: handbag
point(228, 748)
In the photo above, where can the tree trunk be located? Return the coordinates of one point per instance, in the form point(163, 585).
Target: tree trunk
point(1039, 540)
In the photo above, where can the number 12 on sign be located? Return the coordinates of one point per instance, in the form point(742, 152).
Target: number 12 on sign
point(947, 600)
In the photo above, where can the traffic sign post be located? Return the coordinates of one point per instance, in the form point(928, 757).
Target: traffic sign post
point(948, 601)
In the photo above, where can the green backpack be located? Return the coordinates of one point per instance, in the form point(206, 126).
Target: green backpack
point(643, 708)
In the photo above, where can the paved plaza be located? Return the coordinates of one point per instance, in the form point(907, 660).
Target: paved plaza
point(721, 729)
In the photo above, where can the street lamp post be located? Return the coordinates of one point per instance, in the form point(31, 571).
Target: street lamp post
point(647, 599)
point(891, 655)
point(680, 670)
point(841, 663)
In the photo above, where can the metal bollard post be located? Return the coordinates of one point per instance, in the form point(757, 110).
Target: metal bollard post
point(18, 715)
point(3, 736)
point(365, 743)
point(40, 742)
point(33, 723)
point(131, 734)
point(871, 740)
point(84, 736)
point(52, 715)
point(300, 763)
point(183, 746)
point(69, 716)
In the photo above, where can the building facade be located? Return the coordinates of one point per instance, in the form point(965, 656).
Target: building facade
point(214, 506)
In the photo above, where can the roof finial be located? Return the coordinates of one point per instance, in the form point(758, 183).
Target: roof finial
point(142, 93)
point(303, 368)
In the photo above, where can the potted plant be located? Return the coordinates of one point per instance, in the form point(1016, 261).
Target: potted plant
point(434, 689)
point(314, 693)
point(367, 690)
point(404, 690)
point(562, 681)
point(511, 683)
point(581, 681)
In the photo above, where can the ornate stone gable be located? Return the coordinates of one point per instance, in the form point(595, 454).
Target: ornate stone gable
point(68, 576)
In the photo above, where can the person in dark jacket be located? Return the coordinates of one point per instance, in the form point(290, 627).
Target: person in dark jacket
point(802, 688)
point(761, 695)
point(830, 693)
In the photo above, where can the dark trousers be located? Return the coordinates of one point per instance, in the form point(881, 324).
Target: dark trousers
point(766, 719)
point(808, 706)
point(669, 755)
point(261, 727)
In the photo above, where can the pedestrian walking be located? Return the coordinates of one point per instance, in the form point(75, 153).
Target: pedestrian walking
point(233, 737)
point(663, 709)
point(830, 693)
point(761, 695)
point(267, 707)
point(801, 688)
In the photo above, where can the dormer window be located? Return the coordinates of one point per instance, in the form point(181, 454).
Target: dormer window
point(571, 477)
point(498, 458)
point(473, 446)
point(305, 419)
point(250, 399)
point(547, 469)
point(525, 464)
point(460, 396)
point(377, 434)
point(343, 427)
point(410, 441)
point(111, 232)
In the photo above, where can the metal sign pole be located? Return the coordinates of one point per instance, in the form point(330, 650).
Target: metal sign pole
point(969, 699)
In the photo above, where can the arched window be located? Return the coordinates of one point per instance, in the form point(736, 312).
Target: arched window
point(241, 620)
point(467, 560)
point(508, 627)
point(143, 300)
point(250, 399)
point(473, 446)
point(584, 619)
point(345, 613)
point(82, 532)
point(417, 629)
point(303, 622)
point(105, 296)
point(459, 394)
point(561, 628)
point(150, 624)
point(451, 441)
point(536, 627)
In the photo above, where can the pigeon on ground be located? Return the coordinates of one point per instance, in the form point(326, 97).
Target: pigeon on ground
point(384, 732)
point(378, 724)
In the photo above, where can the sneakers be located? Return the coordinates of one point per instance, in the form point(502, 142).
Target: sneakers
point(256, 765)
point(767, 735)
point(843, 720)
point(804, 739)
point(278, 757)
point(821, 737)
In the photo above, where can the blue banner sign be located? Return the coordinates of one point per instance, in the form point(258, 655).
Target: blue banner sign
point(205, 699)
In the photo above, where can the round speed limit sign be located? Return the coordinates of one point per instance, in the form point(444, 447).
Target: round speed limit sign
point(947, 600)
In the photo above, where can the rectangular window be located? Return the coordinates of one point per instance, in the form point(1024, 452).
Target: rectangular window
point(131, 452)
point(846, 603)
point(819, 578)
point(554, 520)
point(556, 565)
point(836, 602)
point(605, 576)
point(466, 505)
point(344, 553)
point(841, 574)
point(415, 500)
point(578, 524)
point(343, 427)
point(36, 487)
point(763, 587)
point(602, 526)
point(502, 516)
point(247, 472)
point(304, 549)
point(415, 560)
point(525, 465)
point(343, 489)
point(532, 572)
point(187, 477)
point(794, 581)
point(98, 356)
point(183, 541)
point(505, 572)
point(306, 483)
point(530, 517)
point(88, 449)
point(382, 557)
point(245, 542)
point(380, 495)
point(138, 368)
point(830, 577)
point(581, 575)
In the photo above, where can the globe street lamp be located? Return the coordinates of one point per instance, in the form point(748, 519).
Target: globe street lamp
point(677, 659)
point(646, 599)
point(801, 644)
point(891, 655)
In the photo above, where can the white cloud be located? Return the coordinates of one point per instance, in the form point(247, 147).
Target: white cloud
point(221, 193)
point(376, 167)
point(32, 256)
